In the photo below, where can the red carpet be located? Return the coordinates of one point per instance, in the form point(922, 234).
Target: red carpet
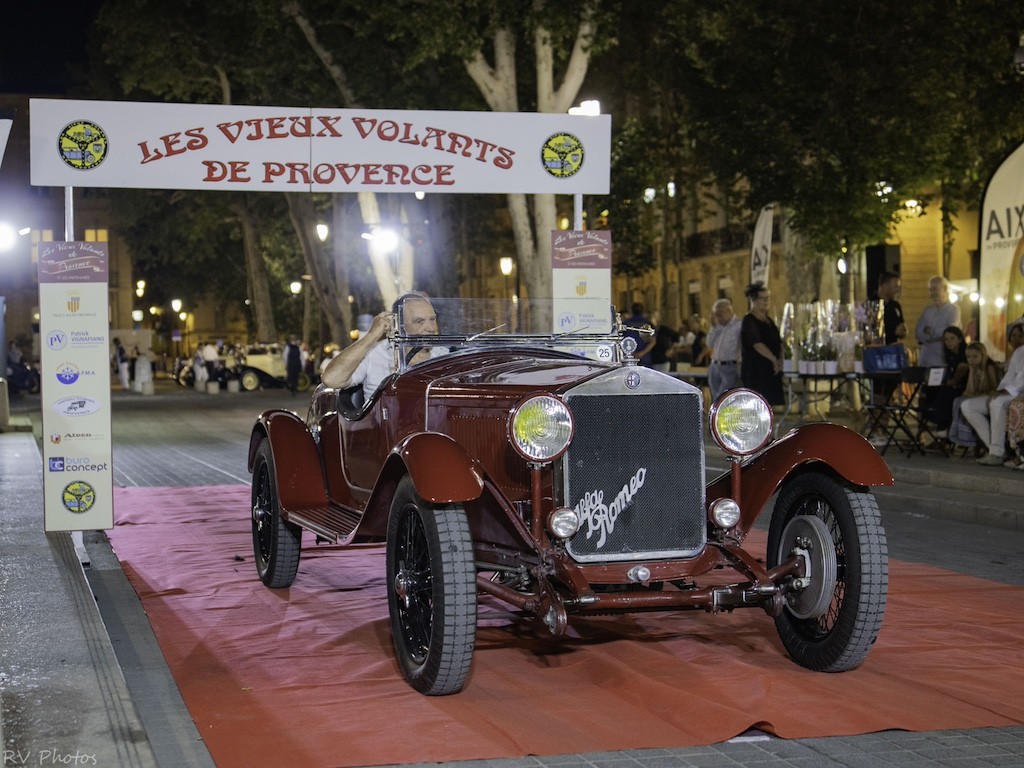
point(307, 676)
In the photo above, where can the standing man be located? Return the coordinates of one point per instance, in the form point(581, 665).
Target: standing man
point(933, 321)
point(121, 358)
point(644, 344)
point(292, 364)
point(890, 286)
point(724, 341)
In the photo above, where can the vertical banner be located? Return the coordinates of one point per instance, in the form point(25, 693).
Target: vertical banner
point(761, 248)
point(6, 121)
point(1002, 259)
point(581, 281)
point(75, 362)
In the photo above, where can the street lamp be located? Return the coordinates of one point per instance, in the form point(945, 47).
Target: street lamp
point(8, 237)
point(386, 241)
point(505, 265)
point(322, 231)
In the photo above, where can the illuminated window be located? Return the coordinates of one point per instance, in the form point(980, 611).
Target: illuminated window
point(39, 236)
point(95, 235)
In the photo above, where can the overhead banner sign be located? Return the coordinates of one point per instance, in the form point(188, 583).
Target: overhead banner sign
point(283, 149)
point(761, 248)
point(75, 363)
point(1002, 252)
point(581, 283)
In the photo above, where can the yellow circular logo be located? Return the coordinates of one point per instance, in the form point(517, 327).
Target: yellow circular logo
point(78, 497)
point(82, 145)
point(562, 155)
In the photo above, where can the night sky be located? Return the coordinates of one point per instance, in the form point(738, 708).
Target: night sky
point(43, 44)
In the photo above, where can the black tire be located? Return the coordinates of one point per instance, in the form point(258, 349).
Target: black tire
point(250, 380)
point(276, 543)
point(839, 637)
point(431, 592)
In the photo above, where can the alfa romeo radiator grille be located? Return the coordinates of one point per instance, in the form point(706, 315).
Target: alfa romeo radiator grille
point(635, 471)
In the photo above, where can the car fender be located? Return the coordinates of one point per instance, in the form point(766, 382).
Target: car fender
point(297, 466)
point(441, 469)
point(442, 473)
point(831, 446)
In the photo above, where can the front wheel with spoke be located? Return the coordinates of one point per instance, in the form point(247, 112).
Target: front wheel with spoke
point(831, 619)
point(431, 582)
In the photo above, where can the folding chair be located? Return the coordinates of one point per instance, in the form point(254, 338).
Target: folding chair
point(903, 426)
point(920, 407)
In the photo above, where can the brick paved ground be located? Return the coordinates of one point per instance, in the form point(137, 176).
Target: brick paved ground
point(183, 438)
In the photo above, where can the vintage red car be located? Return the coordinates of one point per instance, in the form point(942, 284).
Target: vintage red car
point(549, 471)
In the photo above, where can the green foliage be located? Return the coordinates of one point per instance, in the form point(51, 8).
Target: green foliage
point(816, 104)
point(187, 245)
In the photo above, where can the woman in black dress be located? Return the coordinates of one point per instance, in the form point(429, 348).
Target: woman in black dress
point(761, 368)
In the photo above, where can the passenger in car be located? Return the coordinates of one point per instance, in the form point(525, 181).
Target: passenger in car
point(369, 360)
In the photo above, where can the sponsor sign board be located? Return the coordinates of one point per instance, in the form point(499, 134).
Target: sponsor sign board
point(581, 282)
point(77, 473)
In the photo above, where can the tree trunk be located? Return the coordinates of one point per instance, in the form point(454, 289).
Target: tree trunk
point(383, 269)
point(497, 84)
point(329, 279)
point(256, 271)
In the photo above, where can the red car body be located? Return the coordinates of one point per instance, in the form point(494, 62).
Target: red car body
point(431, 466)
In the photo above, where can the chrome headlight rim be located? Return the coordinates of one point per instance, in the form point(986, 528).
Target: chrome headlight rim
point(725, 513)
point(553, 413)
point(752, 403)
point(564, 522)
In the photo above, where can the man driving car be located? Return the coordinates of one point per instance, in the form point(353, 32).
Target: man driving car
point(369, 360)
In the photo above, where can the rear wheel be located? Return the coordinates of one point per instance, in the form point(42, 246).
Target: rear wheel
point(250, 381)
point(304, 382)
point(431, 592)
point(276, 543)
point(831, 622)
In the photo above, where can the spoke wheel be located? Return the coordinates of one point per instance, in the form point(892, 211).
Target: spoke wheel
point(431, 583)
point(830, 624)
point(250, 381)
point(276, 543)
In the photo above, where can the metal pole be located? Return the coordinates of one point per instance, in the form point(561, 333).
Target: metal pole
point(69, 214)
point(577, 211)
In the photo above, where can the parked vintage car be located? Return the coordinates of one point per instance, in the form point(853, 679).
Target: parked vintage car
point(21, 377)
point(262, 365)
point(549, 471)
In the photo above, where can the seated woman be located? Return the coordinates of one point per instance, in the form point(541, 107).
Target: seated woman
point(982, 380)
point(939, 400)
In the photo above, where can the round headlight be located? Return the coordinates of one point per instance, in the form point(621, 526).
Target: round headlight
point(741, 422)
point(725, 512)
point(540, 428)
point(564, 522)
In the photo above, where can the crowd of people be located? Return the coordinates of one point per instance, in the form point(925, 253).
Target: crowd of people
point(978, 403)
